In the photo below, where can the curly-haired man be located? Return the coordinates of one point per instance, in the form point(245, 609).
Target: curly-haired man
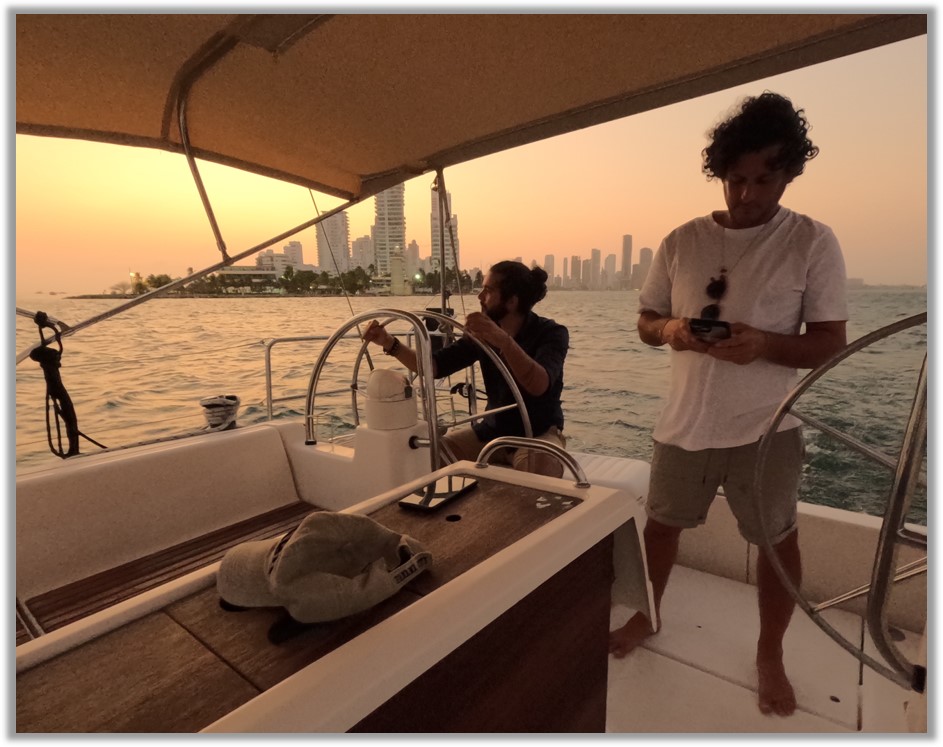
point(751, 276)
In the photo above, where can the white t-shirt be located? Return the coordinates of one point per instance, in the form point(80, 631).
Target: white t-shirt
point(779, 275)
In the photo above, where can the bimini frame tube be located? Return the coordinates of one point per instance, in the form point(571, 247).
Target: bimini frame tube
point(196, 275)
point(193, 70)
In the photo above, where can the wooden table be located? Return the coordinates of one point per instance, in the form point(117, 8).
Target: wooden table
point(539, 667)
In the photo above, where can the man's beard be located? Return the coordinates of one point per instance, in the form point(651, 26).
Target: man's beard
point(496, 314)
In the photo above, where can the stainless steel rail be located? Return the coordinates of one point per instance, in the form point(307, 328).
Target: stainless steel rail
point(448, 321)
point(517, 442)
point(269, 344)
point(906, 479)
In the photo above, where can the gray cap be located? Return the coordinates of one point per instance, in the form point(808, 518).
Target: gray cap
point(330, 566)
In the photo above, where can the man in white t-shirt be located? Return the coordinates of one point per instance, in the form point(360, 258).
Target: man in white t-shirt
point(765, 271)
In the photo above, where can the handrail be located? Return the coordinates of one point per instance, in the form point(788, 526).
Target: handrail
point(517, 442)
point(901, 672)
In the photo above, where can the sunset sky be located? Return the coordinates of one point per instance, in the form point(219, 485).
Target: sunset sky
point(88, 213)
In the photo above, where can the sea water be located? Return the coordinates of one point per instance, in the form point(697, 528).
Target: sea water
point(140, 376)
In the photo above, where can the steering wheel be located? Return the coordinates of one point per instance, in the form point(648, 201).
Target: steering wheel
point(907, 476)
point(424, 374)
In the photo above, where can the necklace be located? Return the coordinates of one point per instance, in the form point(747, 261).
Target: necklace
point(724, 271)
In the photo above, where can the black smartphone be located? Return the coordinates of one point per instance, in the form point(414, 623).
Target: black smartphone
point(709, 330)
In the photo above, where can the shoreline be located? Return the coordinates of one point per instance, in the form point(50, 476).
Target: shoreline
point(125, 296)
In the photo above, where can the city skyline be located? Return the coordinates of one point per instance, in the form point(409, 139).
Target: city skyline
point(86, 212)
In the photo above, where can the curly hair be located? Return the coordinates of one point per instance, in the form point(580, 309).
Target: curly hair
point(762, 121)
point(516, 279)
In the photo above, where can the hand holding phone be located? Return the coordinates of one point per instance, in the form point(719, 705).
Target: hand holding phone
point(709, 330)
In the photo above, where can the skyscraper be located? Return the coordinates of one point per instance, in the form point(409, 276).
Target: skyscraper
point(333, 244)
point(610, 267)
point(565, 278)
point(412, 259)
point(626, 260)
point(595, 267)
point(587, 273)
point(575, 271)
point(640, 271)
point(389, 227)
point(548, 268)
point(437, 235)
point(361, 253)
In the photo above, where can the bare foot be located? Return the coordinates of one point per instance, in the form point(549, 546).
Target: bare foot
point(624, 639)
point(775, 692)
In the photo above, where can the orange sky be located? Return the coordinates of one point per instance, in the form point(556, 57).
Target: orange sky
point(87, 213)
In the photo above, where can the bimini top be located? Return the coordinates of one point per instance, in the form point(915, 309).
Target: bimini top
point(352, 104)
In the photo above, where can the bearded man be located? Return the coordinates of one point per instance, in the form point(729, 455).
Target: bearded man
point(532, 347)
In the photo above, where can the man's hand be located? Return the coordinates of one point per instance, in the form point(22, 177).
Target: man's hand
point(744, 345)
point(677, 333)
point(377, 334)
point(481, 326)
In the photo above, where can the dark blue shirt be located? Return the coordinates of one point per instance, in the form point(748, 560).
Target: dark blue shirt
point(543, 340)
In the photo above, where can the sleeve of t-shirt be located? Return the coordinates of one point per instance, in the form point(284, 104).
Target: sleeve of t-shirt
point(656, 290)
point(551, 351)
point(460, 354)
point(825, 296)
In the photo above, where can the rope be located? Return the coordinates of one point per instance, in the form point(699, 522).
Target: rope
point(58, 401)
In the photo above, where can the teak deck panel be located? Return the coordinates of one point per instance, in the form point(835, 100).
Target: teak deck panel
point(149, 676)
point(59, 607)
point(566, 618)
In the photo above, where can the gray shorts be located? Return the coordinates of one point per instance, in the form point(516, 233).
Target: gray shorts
point(683, 485)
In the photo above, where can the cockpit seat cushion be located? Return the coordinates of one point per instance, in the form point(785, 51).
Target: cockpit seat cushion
point(615, 472)
point(89, 514)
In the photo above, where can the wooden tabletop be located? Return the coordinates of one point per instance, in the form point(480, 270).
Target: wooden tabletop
point(183, 667)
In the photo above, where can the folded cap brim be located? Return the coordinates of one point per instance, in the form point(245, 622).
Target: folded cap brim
point(331, 566)
point(243, 576)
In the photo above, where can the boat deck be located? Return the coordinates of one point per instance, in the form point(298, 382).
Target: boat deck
point(697, 674)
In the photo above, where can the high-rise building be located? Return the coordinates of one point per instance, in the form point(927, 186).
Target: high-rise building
point(587, 273)
point(272, 261)
point(548, 268)
point(295, 254)
point(575, 271)
point(361, 253)
point(412, 259)
point(626, 260)
point(565, 276)
point(437, 234)
point(610, 268)
point(334, 244)
point(595, 267)
point(389, 227)
point(640, 271)
point(399, 284)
